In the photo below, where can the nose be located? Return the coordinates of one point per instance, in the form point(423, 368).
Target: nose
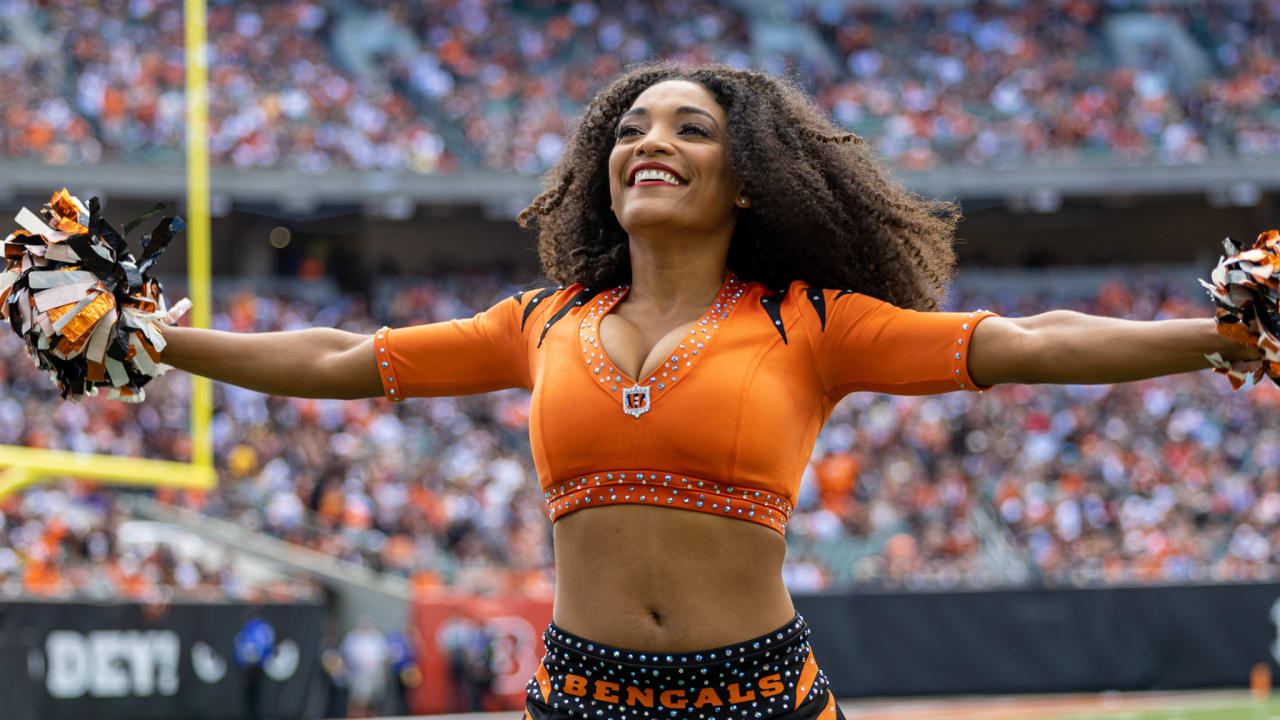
point(654, 141)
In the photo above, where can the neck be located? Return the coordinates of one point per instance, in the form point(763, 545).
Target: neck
point(671, 276)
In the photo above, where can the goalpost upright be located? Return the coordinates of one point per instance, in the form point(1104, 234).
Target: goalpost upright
point(198, 252)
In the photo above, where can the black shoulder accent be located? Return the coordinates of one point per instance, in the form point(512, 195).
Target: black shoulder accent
point(842, 293)
point(772, 305)
point(819, 303)
point(542, 295)
point(580, 298)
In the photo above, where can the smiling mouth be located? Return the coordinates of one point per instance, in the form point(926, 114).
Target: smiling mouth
point(652, 176)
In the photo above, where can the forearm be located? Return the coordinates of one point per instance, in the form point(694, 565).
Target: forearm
point(1063, 346)
point(316, 362)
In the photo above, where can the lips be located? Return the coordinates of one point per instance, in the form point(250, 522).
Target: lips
point(631, 178)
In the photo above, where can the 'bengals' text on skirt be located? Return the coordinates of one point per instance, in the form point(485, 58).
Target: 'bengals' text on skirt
point(772, 677)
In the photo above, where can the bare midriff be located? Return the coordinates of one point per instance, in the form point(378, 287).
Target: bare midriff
point(648, 578)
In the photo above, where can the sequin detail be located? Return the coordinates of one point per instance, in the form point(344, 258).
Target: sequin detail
point(760, 678)
point(390, 385)
point(960, 359)
point(682, 359)
point(664, 489)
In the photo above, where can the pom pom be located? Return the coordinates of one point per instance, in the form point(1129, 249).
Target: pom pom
point(85, 307)
point(1245, 286)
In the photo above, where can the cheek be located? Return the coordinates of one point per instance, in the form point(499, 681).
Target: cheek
point(615, 185)
point(726, 183)
point(717, 168)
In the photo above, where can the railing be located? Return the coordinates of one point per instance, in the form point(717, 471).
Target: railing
point(1035, 187)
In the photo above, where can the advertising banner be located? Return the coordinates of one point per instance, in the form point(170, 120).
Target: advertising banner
point(477, 653)
point(1039, 641)
point(71, 660)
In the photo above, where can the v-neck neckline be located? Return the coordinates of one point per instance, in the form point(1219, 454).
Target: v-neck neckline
point(693, 346)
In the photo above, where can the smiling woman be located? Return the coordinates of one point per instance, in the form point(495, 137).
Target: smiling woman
point(824, 208)
point(731, 266)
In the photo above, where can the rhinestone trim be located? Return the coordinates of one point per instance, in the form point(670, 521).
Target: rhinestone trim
point(390, 386)
point(669, 490)
point(960, 363)
point(764, 677)
point(611, 380)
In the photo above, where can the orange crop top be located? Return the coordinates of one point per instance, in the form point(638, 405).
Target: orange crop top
point(726, 425)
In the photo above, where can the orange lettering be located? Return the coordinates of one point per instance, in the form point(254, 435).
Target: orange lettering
point(666, 699)
point(771, 685)
point(736, 696)
point(708, 696)
point(575, 684)
point(603, 690)
point(645, 697)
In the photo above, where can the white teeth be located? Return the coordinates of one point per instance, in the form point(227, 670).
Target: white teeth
point(654, 174)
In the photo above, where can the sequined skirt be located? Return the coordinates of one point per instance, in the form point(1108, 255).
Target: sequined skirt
point(773, 676)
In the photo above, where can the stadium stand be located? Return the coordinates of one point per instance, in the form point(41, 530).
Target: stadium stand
point(70, 541)
point(437, 87)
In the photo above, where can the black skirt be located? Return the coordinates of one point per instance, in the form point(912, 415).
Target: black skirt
point(771, 677)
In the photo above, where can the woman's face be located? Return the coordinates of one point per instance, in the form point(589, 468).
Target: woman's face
point(670, 163)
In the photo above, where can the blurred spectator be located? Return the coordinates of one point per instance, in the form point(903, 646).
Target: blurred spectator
point(337, 680)
point(366, 653)
point(468, 647)
point(253, 646)
point(406, 675)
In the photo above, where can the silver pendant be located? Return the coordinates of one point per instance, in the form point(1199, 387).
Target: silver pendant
point(635, 400)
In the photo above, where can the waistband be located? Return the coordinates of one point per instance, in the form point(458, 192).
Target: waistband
point(762, 677)
point(663, 489)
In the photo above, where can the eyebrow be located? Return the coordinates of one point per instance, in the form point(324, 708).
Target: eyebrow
point(682, 110)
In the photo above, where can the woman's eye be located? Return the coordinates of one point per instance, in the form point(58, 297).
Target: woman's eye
point(697, 129)
point(626, 130)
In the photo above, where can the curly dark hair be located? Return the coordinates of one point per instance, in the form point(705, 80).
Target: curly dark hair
point(823, 208)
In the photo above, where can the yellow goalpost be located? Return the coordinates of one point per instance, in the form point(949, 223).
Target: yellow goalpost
point(25, 466)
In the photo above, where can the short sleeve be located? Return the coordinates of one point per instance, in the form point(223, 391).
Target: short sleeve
point(871, 345)
point(457, 357)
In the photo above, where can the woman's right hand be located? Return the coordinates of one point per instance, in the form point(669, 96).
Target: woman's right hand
point(313, 363)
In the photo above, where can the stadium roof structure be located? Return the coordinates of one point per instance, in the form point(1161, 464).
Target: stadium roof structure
point(1240, 180)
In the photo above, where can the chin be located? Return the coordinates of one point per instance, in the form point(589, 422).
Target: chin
point(653, 212)
point(648, 217)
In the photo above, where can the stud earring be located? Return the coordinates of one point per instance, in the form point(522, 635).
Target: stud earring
point(743, 202)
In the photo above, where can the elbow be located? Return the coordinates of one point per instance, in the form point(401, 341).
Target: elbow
point(1034, 346)
point(1009, 350)
point(345, 370)
point(1045, 320)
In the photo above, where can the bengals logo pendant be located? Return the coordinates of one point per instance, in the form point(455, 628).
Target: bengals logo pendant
point(635, 400)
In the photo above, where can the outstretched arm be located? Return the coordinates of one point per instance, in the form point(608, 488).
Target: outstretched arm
point(1063, 346)
point(316, 362)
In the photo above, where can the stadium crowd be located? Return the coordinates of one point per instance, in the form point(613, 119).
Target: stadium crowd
point(70, 541)
point(1166, 480)
point(443, 86)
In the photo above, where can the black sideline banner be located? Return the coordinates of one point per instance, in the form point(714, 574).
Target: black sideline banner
point(1023, 641)
point(65, 660)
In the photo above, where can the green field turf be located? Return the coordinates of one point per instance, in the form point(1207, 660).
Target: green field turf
point(1240, 710)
